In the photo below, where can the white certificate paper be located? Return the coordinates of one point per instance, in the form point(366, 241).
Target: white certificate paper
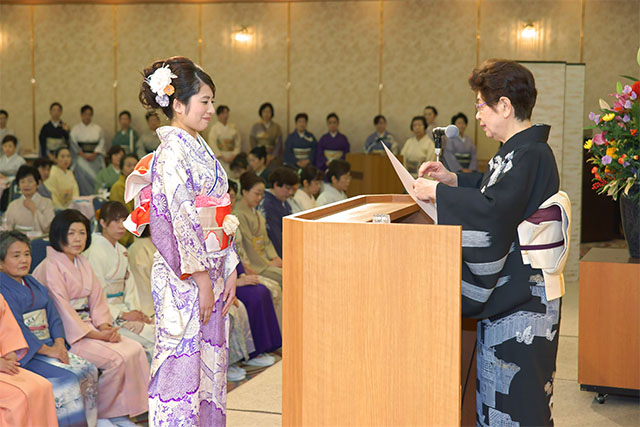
point(407, 181)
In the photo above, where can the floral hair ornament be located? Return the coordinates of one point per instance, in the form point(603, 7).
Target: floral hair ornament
point(160, 83)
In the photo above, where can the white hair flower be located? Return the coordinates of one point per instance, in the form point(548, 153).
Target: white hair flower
point(160, 83)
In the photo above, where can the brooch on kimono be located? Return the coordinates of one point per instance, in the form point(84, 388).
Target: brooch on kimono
point(160, 83)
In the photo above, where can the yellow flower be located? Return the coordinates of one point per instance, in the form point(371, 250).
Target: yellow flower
point(588, 143)
point(608, 117)
point(611, 151)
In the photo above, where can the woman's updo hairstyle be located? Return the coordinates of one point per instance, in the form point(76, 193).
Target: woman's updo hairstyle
point(188, 83)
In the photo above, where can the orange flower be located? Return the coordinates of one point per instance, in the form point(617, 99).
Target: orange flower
point(594, 169)
point(635, 157)
point(633, 131)
point(169, 90)
point(611, 151)
point(621, 160)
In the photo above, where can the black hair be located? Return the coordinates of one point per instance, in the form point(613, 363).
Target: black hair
point(248, 180)
point(260, 152)
point(85, 108)
point(377, 119)
point(310, 173)
point(8, 238)
point(53, 104)
point(42, 162)
point(10, 138)
point(4, 112)
point(188, 83)
point(420, 119)
point(337, 168)
point(432, 108)
point(239, 162)
point(112, 211)
point(60, 228)
point(59, 150)
point(221, 109)
point(302, 116)
point(283, 175)
point(124, 113)
point(151, 114)
point(266, 105)
point(459, 116)
point(115, 149)
point(334, 115)
point(232, 186)
point(125, 157)
point(26, 171)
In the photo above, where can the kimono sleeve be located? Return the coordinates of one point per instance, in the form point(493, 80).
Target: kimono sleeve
point(33, 343)
point(494, 279)
point(98, 306)
point(238, 142)
point(56, 328)
point(289, 157)
point(97, 259)
point(11, 338)
point(269, 249)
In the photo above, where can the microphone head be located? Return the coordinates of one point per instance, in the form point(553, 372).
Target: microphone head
point(451, 131)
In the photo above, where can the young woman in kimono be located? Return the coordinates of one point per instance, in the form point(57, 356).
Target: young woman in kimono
point(74, 380)
point(61, 182)
point(26, 399)
point(110, 262)
point(518, 304)
point(193, 277)
point(88, 325)
point(253, 241)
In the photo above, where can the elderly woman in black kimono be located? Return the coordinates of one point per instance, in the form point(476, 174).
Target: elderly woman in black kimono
point(518, 305)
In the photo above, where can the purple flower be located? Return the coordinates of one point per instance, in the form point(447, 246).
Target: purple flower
point(599, 139)
point(625, 164)
point(633, 96)
point(626, 118)
point(606, 160)
point(626, 90)
point(162, 100)
point(595, 117)
point(627, 105)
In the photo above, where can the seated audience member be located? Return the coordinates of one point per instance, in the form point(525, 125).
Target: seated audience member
point(126, 137)
point(375, 140)
point(110, 174)
point(26, 399)
point(301, 146)
point(254, 246)
point(274, 287)
point(258, 162)
point(419, 148)
point(332, 145)
point(30, 212)
point(267, 133)
point(54, 134)
point(460, 152)
point(305, 196)
point(10, 162)
point(88, 148)
point(4, 130)
point(338, 177)
point(149, 140)
point(274, 206)
point(110, 262)
point(88, 325)
point(430, 115)
point(116, 194)
point(141, 254)
point(61, 182)
point(43, 165)
point(238, 166)
point(74, 379)
point(224, 138)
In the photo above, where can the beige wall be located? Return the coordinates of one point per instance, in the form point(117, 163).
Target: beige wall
point(428, 50)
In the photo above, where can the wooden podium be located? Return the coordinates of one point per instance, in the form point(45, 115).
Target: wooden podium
point(372, 174)
point(371, 316)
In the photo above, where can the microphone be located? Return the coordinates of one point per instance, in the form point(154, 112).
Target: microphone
point(450, 131)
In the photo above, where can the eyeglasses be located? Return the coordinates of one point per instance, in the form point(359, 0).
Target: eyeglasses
point(479, 106)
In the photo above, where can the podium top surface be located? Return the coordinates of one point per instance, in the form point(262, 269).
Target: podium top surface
point(361, 209)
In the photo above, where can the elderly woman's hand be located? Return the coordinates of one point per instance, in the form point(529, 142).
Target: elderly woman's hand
point(437, 171)
point(425, 189)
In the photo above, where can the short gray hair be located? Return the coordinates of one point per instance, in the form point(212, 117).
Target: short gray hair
point(8, 238)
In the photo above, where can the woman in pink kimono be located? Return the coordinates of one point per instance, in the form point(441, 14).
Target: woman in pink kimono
point(88, 325)
point(184, 199)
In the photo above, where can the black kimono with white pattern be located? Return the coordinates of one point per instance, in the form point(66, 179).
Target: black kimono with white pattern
point(517, 333)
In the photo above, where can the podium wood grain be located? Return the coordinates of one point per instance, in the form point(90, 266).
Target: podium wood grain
point(371, 319)
point(372, 174)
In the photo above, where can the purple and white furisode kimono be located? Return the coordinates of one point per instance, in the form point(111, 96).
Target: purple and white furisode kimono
point(188, 372)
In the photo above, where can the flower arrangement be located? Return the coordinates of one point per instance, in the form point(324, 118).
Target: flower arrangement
point(615, 149)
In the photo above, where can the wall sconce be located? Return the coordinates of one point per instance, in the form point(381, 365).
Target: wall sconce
point(529, 32)
point(243, 35)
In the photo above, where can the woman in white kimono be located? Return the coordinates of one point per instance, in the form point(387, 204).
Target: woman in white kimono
point(88, 148)
point(110, 261)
